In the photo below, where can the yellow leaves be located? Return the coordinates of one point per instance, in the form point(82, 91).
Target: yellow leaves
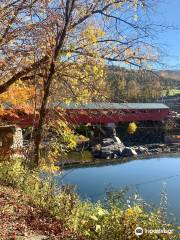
point(119, 5)
point(92, 38)
point(98, 228)
point(132, 128)
point(134, 213)
point(49, 168)
point(67, 101)
point(98, 71)
point(93, 33)
point(68, 54)
point(95, 68)
point(84, 80)
point(1, 111)
point(135, 3)
point(130, 212)
point(93, 217)
point(101, 212)
point(63, 141)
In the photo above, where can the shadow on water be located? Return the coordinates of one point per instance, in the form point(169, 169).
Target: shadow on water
point(85, 159)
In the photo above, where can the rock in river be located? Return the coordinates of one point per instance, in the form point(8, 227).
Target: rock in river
point(112, 148)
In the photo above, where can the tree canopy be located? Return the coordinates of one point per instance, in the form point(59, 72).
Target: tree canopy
point(62, 46)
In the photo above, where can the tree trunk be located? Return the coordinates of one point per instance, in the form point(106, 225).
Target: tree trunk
point(42, 115)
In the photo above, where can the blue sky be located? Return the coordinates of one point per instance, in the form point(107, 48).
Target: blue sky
point(167, 12)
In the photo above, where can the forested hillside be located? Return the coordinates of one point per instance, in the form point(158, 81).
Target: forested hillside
point(140, 85)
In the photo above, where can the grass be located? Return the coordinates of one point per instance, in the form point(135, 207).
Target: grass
point(171, 92)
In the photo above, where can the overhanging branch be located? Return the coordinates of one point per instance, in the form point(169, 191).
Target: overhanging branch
point(4, 87)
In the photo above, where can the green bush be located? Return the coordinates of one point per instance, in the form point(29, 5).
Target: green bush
point(12, 172)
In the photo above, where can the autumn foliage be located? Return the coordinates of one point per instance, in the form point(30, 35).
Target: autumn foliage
point(56, 51)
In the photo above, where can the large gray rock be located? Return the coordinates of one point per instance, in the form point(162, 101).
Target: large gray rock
point(109, 148)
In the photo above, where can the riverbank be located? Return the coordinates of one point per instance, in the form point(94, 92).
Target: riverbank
point(85, 159)
point(35, 207)
point(21, 220)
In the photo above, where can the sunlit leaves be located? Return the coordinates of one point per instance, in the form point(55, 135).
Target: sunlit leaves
point(132, 128)
point(92, 33)
point(62, 140)
point(19, 95)
point(78, 38)
point(81, 81)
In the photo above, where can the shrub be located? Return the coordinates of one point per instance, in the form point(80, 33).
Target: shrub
point(115, 221)
point(12, 172)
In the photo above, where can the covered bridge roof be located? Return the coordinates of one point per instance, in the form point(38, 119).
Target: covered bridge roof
point(96, 105)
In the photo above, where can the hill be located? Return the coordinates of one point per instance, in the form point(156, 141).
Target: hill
point(140, 85)
point(171, 74)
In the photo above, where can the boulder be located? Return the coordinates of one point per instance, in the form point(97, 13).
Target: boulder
point(109, 148)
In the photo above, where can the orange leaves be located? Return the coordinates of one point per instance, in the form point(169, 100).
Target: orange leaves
point(2, 63)
point(18, 95)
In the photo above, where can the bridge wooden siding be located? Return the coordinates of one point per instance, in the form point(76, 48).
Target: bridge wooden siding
point(95, 113)
point(115, 113)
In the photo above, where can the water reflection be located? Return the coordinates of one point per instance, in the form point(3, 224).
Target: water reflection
point(145, 177)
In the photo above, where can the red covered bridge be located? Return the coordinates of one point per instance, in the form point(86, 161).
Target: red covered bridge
point(95, 113)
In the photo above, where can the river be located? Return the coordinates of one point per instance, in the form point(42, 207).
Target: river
point(147, 177)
